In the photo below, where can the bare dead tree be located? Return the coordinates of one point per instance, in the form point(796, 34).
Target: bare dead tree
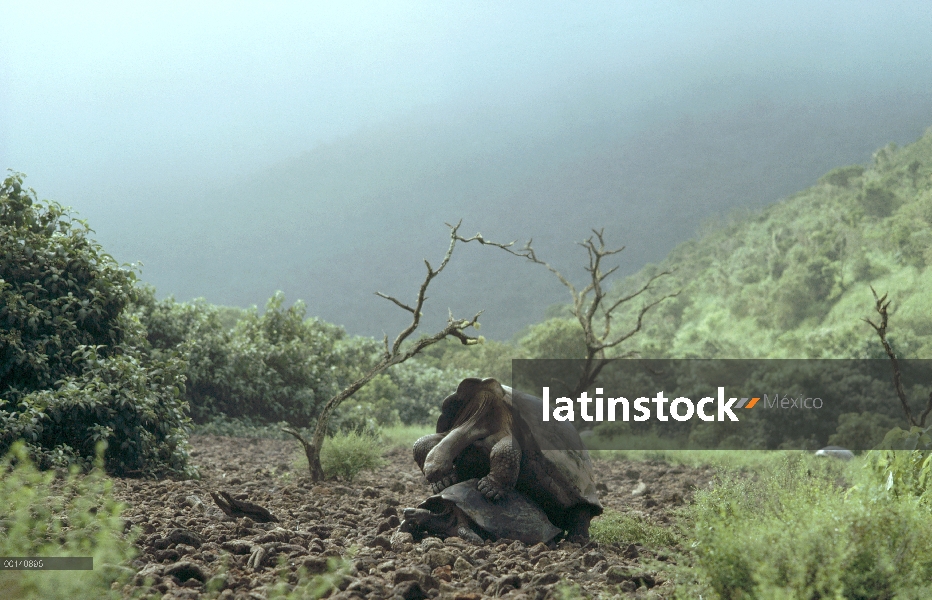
point(397, 353)
point(881, 305)
point(591, 306)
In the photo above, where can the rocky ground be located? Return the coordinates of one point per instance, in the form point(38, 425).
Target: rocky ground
point(190, 549)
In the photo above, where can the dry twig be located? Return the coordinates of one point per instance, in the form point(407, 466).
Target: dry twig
point(590, 305)
point(393, 354)
point(882, 305)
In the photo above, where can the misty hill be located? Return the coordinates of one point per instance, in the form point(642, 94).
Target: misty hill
point(793, 280)
point(358, 215)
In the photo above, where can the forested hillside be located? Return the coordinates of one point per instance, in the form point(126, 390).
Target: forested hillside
point(793, 280)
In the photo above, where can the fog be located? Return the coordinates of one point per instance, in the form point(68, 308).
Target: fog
point(238, 149)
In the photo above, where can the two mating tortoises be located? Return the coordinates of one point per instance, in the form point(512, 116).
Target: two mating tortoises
point(489, 432)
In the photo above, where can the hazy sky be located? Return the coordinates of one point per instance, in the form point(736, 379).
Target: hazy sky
point(128, 90)
point(107, 106)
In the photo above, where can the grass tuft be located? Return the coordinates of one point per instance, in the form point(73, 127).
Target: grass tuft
point(345, 455)
point(613, 527)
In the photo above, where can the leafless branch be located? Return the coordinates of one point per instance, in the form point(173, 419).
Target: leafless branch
point(394, 354)
point(589, 301)
point(882, 305)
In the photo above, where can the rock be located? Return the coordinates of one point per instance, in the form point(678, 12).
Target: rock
point(401, 541)
point(543, 579)
point(184, 549)
point(591, 559)
point(315, 565)
point(380, 541)
point(443, 573)
point(277, 534)
point(439, 557)
point(238, 546)
point(462, 566)
point(185, 570)
point(152, 571)
point(170, 555)
point(413, 574)
point(429, 543)
point(617, 574)
point(195, 503)
point(410, 590)
point(507, 583)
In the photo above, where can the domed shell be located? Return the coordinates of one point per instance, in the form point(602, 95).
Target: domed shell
point(513, 517)
point(556, 470)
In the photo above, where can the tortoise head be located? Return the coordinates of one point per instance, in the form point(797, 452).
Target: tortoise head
point(461, 404)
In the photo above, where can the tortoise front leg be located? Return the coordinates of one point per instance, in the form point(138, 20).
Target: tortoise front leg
point(505, 463)
point(438, 466)
point(423, 446)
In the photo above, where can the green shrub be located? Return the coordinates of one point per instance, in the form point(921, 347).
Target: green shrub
point(554, 338)
point(877, 200)
point(75, 367)
point(278, 366)
point(299, 585)
point(613, 527)
point(244, 427)
point(43, 516)
point(58, 291)
point(842, 176)
point(796, 534)
point(861, 431)
point(345, 455)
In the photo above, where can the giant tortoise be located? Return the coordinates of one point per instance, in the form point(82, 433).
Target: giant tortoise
point(491, 432)
point(462, 510)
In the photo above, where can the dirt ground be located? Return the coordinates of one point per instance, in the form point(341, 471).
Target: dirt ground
point(186, 539)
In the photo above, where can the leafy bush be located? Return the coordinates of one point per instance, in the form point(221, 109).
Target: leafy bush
point(796, 534)
point(58, 292)
point(345, 455)
point(860, 431)
point(554, 338)
point(613, 527)
point(842, 176)
point(877, 200)
point(73, 517)
point(75, 368)
point(279, 366)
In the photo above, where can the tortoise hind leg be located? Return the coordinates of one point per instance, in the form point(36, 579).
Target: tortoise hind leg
point(578, 519)
point(504, 467)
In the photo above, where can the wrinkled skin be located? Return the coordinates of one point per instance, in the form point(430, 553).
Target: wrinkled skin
point(488, 433)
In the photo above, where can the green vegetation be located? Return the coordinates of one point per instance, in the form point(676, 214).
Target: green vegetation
point(71, 517)
point(299, 585)
point(75, 366)
point(346, 454)
point(794, 532)
point(792, 280)
point(282, 367)
point(618, 528)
